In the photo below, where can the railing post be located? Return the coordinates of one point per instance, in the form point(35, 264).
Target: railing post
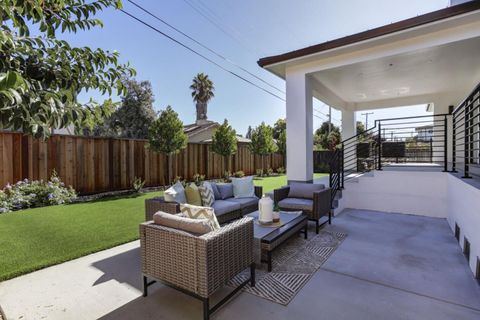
point(466, 140)
point(445, 147)
point(379, 141)
point(454, 144)
point(342, 166)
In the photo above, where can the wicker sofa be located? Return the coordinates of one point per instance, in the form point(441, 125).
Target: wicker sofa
point(197, 265)
point(225, 210)
point(317, 204)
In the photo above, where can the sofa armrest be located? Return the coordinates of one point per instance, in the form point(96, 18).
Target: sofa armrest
point(280, 194)
point(224, 253)
point(156, 204)
point(322, 203)
point(259, 191)
point(169, 255)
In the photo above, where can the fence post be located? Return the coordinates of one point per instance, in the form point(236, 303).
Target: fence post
point(379, 141)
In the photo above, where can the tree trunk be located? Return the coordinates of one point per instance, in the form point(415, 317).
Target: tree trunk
point(225, 165)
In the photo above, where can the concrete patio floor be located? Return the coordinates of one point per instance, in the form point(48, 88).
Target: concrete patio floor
point(391, 266)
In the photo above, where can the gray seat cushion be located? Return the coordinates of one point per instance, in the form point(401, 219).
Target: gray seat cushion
point(304, 190)
point(222, 206)
point(296, 204)
point(244, 202)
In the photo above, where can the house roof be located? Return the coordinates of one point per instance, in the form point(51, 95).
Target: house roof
point(373, 33)
point(195, 128)
point(239, 140)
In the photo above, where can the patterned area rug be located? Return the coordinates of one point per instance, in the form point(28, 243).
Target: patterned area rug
point(293, 264)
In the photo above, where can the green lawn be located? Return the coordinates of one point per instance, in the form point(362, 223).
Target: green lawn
point(271, 183)
point(36, 238)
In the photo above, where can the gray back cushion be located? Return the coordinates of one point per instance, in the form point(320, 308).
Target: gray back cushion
point(226, 190)
point(304, 190)
point(216, 192)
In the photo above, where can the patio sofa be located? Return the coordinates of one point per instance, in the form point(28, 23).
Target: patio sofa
point(312, 199)
point(226, 209)
point(197, 265)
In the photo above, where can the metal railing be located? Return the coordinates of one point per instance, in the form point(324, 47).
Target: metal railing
point(413, 141)
point(466, 135)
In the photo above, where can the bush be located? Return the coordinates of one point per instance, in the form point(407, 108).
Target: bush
point(239, 174)
point(138, 184)
point(259, 172)
point(269, 172)
point(281, 170)
point(198, 178)
point(27, 194)
point(226, 176)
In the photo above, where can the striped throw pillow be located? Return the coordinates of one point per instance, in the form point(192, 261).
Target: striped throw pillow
point(196, 212)
point(207, 195)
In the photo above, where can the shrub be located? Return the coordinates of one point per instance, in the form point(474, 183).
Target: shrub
point(198, 178)
point(26, 194)
point(138, 184)
point(239, 174)
point(226, 176)
point(181, 180)
point(269, 172)
point(281, 170)
point(259, 172)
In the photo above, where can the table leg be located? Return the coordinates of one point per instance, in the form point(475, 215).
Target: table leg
point(269, 261)
point(306, 231)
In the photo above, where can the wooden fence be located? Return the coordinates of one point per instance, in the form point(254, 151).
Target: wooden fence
point(92, 164)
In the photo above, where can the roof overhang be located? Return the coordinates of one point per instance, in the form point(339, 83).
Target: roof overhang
point(431, 22)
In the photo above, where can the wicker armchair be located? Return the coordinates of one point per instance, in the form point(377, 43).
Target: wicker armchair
point(156, 204)
point(315, 208)
point(197, 265)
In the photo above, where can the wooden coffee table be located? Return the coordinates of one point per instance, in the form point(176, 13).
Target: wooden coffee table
point(270, 238)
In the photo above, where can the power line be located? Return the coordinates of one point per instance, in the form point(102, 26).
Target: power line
point(326, 115)
point(199, 54)
point(218, 26)
point(203, 46)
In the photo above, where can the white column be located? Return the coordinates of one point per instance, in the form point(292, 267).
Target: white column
point(349, 124)
point(299, 127)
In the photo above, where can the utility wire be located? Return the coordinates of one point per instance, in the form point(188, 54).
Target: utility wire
point(219, 27)
point(203, 46)
point(199, 54)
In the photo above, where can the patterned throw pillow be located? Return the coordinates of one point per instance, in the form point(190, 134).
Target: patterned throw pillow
point(206, 193)
point(196, 212)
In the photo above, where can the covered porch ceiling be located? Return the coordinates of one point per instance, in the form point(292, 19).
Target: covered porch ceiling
point(443, 73)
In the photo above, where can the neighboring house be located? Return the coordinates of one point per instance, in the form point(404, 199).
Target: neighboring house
point(201, 130)
point(424, 133)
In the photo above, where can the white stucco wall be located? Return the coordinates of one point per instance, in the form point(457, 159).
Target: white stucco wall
point(419, 193)
point(464, 209)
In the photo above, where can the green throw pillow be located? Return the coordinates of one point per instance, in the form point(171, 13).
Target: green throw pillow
point(193, 195)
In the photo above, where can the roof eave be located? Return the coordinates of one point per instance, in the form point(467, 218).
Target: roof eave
point(373, 33)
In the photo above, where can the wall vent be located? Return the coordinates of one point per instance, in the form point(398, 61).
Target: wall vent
point(457, 232)
point(466, 248)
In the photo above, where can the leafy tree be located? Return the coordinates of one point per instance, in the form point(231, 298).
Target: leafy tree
point(249, 133)
point(279, 127)
point(282, 142)
point(324, 140)
point(262, 141)
point(360, 127)
point(135, 115)
point(166, 136)
point(224, 142)
point(41, 76)
point(202, 92)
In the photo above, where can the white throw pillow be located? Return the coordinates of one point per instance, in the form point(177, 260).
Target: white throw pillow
point(175, 193)
point(243, 187)
point(197, 212)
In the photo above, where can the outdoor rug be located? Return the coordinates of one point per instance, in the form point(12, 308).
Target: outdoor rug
point(293, 264)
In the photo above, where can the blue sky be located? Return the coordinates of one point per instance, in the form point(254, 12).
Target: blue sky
point(244, 31)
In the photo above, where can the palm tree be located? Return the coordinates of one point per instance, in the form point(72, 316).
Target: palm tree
point(202, 91)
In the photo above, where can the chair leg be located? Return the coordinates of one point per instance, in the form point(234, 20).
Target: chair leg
point(252, 274)
point(330, 217)
point(145, 286)
point(317, 226)
point(206, 309)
